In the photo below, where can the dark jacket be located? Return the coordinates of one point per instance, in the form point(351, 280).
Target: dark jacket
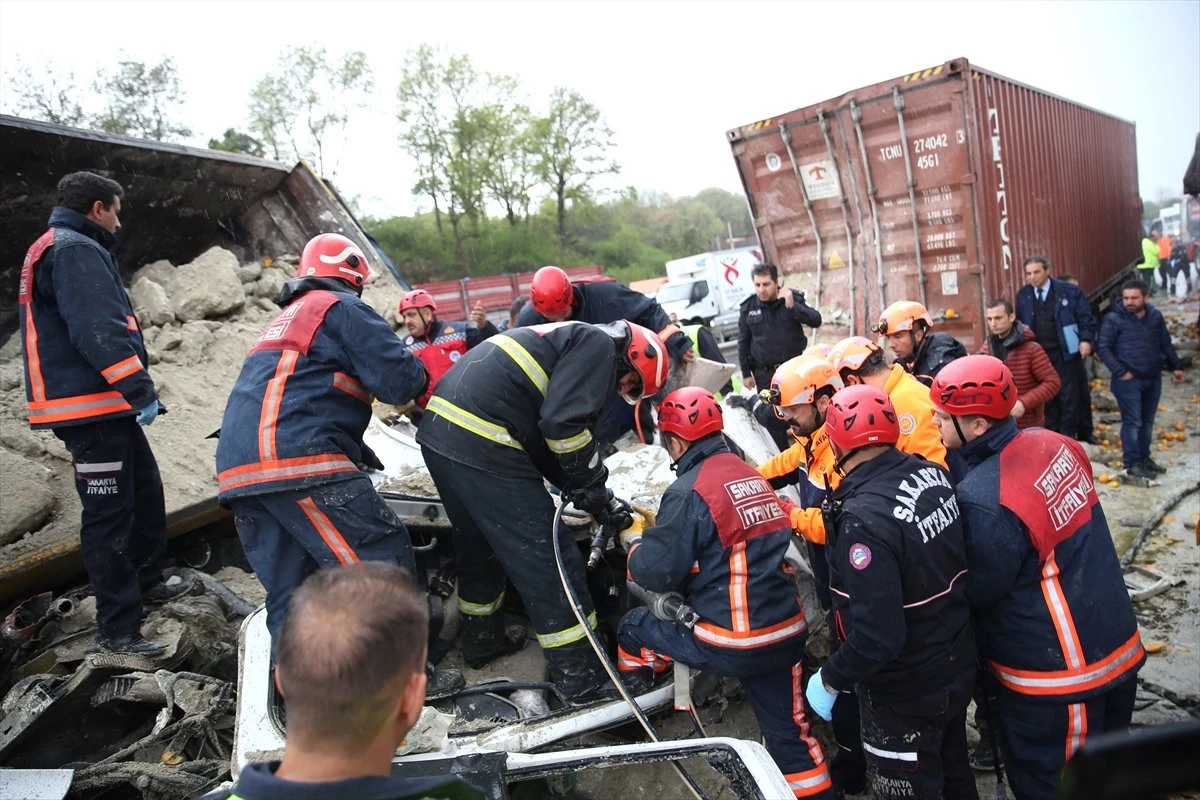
point(936, 351)
point(1072, 312)
point(771, 333)
point(719, 540)
point(1023, 605)
point(897, 572)
point(608, 301)
point(1140, 345)
point(258, 782)
point(1036, 378)
point(85, 359)
point(302, 402)
point(525, 402)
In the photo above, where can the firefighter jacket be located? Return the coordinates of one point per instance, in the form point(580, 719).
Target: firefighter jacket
point(1046, 589)
point(524, 402)
point(719, 541)
point(771, 333)
point(604, 302)
point(935, 351)
point(918, 436)
point(299, 408)
point(898, 577)
point(442, 345)
point(85, 359)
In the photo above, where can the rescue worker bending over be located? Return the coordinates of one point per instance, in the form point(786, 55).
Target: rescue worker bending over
point(291, 437)
point(517, 410)
point(907, 326)
point(553, 298)
point(719, 541)
point(858, 360)
point(439, 344)
point(898, 573)
point(1055, 624)
point(86, 380)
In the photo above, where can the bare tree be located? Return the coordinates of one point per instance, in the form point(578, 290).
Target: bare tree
point(47, 95)
point(141, 100)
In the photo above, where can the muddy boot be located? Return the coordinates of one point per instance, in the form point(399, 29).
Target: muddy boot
point(441, 683)
point(577, 674)
point(484, 639)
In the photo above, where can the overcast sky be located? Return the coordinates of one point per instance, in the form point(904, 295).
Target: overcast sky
point(669, 77)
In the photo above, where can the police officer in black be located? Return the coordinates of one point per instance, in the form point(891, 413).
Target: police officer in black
point(770, 331)
point(897, 573)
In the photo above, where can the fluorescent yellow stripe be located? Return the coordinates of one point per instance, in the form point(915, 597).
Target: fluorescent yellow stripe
point(481, 609)
point(475, 424)
point(570, 444)
point(525, 361)
point(566, 635)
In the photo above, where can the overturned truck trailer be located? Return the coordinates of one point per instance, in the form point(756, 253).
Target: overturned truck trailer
point(179, 202)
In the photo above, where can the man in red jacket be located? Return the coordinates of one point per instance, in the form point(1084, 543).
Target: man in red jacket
point(1014, 344)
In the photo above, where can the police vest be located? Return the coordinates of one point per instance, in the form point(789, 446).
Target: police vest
point(438, 353)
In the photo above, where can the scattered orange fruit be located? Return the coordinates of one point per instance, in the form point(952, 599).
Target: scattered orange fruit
point(1154, 647)
point(1178, 426)
point(1104, 477)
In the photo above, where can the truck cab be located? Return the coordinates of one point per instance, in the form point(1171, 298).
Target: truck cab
point(700, 287)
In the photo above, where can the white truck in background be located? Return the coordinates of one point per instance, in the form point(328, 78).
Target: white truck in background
point(700, 287)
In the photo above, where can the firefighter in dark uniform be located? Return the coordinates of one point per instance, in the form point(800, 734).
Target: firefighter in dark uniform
point(898, 574)
point(1056, 627)
point(553, 298)
point(438, 344)
point(291, 439)
point(908, 327)
point(86, 380)
point(771, 331)
point(513, 412)
point(719, 541)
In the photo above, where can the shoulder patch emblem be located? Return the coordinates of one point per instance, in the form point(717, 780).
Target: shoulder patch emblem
point(409, 340)
point(455, 355)
point(860, 556)
point(908, 423)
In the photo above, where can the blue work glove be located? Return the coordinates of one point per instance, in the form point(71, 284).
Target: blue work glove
point(820, 699)
point(147, 414)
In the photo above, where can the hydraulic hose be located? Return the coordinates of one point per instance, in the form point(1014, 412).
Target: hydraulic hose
point(605, 661)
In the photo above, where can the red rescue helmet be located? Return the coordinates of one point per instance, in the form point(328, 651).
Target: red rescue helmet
point(690, 413)
point(418, 298)
point(902, 316)
point(972, 385)
point(645, 354)
point(331, 255)
point(550, 292)
point(861, 416)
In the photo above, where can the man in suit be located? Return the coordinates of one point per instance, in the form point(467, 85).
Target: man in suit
point(1062, 322)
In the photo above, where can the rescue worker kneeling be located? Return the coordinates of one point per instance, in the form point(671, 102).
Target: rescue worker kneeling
point(719, 541)
point(519, 409)
point(897, 571)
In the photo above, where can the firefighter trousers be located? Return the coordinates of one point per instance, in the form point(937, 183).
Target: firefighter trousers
point(123, 528)
point(917, 747)
point(773, 684)
point(502, 527)
point(1038, 735)
point(289, 535)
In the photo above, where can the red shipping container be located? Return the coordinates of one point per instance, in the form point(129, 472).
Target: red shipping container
point(935, 186)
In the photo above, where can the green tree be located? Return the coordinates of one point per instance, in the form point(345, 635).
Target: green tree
point(731, 209)
point(48, 95)
point(301, 110)
point(234, 141)
point(572, 143)
point(141, 100)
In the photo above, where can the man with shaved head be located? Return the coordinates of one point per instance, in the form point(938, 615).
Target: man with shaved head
point(351, 670)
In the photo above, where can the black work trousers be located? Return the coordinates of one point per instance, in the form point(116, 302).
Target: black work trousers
point(917, 747)
point(1070, 412)
point(502, 528)
point(123, 529)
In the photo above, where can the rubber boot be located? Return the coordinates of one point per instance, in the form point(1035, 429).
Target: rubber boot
point(484, 639)
point(577, 675)
point(441, 683)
